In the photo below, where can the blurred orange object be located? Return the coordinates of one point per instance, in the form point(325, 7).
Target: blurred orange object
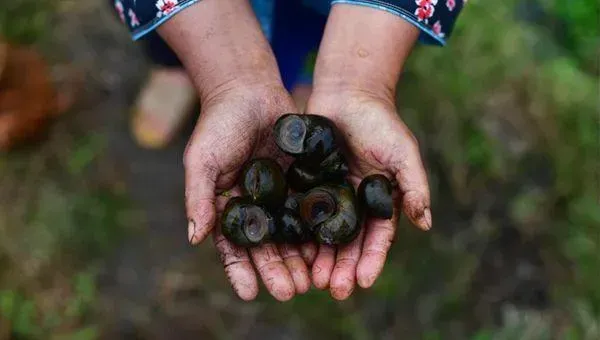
point(28, 99)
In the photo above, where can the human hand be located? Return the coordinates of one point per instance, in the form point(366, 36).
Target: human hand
point(357, 69)
point(377, 141)
point(236, 75)
point(233, 128)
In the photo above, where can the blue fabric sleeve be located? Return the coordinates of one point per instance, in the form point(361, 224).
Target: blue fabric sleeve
point(144, 16)
point(435, 18)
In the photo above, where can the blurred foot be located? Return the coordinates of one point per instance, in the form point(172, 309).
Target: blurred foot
point(163, 105)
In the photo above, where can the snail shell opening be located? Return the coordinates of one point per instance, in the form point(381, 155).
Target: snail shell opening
point(290, 133)
point(317, 206)
point(256, 224)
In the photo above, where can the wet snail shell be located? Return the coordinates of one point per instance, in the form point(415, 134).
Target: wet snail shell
point(292, 202)
point(246, 224)
point(335, 165)
point(290, 228)
point(303, 176)
point(331, 213)
point(375, 195)
point(263, 180)
point(305, 135)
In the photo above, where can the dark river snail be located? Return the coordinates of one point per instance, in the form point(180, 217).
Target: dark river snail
point(290, 228)
point(264, 182)
point(246, 224)
point(302, 177)
point(304, 174)
point(332, 214)
point(375, 195)
point(307, 136)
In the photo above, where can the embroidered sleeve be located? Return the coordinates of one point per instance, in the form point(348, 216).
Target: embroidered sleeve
point(435, 18)
point(143, 16)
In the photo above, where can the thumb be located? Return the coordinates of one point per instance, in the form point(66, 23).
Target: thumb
point(200, 178)
point(414, 187)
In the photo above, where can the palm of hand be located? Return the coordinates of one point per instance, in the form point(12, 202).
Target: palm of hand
point(233, 129)
point(377, 141)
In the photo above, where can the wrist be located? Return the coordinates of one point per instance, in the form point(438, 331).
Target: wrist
point(363, 51)
point(250, 84)
point(265, 103)
point(222, 47)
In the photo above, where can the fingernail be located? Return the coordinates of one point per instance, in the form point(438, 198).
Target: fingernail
point(426, 219)
point(371, 280)
point(191, 231)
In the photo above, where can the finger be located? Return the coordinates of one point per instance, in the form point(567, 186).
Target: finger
point(200, 179)
point(416, 208)
point(379, 236)
point(273, 271)
point(413, 185)
point(237, 266)
point(343, 278)
point(309, 252)
point(296, 266)
point(323, 266)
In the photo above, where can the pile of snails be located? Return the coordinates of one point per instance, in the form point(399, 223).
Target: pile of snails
point(313, 200)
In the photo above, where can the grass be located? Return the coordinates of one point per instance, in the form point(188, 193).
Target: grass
point(27, 21)
point(57, 220)
point(552, 105)
point(56, 225)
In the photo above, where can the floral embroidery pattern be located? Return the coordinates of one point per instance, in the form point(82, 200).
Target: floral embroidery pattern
point(133, 19)
point(165, 7)
point(423, 3)
point(425, 10)
point(120, 10)
point(437, 29)
point(424, 13)
point(451, 4)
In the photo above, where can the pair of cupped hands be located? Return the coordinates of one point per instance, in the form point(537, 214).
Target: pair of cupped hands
point(242, 96)
point(237, 126)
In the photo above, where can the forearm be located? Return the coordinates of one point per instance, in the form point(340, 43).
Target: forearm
point(363, 49)
point(222, 46)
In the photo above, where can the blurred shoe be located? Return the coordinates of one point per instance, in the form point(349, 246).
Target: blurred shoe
point(162, 107)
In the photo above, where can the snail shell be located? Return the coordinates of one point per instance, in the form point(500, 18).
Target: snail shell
point(375, 195)
point(303, 175)
point(264, 182)
point(332, 214)
point(306, 135)
point(246, 224)
point(290, 228)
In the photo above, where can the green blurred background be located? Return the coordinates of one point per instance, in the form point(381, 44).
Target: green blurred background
point(92, 232)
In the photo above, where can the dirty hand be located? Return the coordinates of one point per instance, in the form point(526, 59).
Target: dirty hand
point(241, 94)
point(233, 128)
point(357, 69)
